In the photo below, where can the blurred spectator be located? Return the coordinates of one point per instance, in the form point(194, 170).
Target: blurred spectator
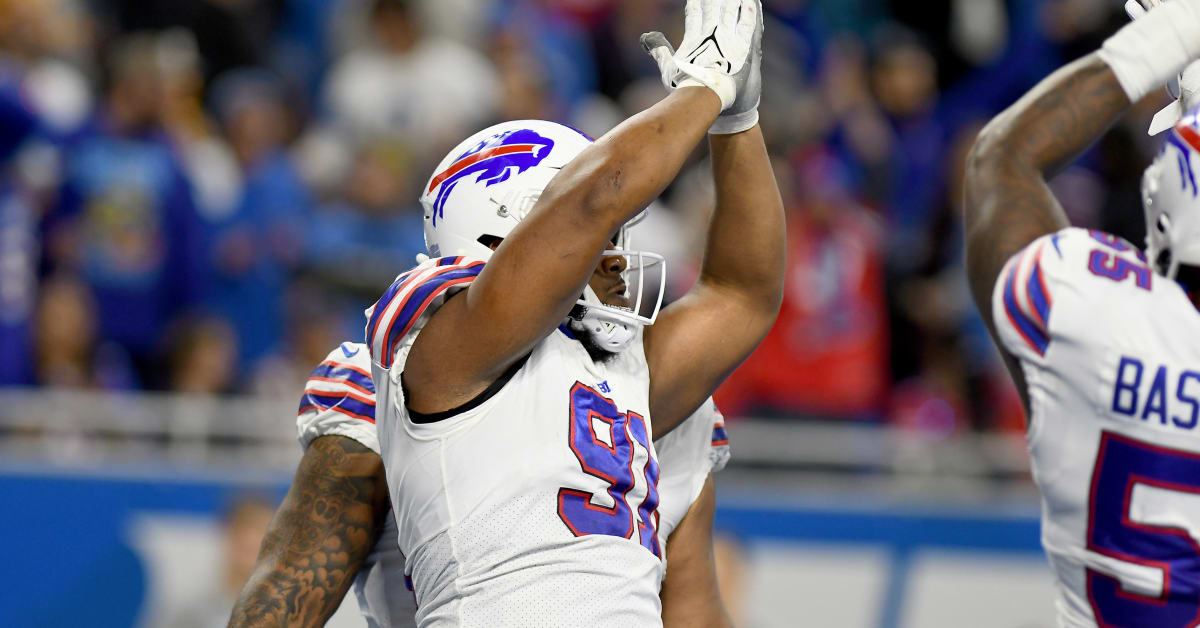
point(363, 240)
point(230, 33)
point(245, 524)
point(43, 44)
point(174, 184)
point(67, 352)
point(201, 356)
point(124, 219)
point(426, 91)
point(545, 41)
point(525, 86)
point(19, 246)
point(826, 356)
point(904, 81)
point(207, 158)
point(18, 267)
point(315, 325)
point(256, 248)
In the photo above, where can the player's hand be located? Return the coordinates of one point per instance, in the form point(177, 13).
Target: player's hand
point(718, 50)
point(743, 113)
point(1137, 8)
point(1185, 88)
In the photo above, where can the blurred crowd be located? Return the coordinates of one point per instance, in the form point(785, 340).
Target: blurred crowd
point(201, 196)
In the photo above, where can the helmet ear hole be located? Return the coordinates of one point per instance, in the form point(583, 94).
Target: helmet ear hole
point(1162, 223)
point(490, 241)
point(1162, 261)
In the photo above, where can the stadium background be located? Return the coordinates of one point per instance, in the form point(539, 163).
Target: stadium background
point(198, 197)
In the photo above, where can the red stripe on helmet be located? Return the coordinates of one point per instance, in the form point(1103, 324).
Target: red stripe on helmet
point(1189, 135)
point(471, 160)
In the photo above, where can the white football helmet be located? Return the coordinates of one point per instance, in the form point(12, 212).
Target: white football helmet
point(1171, 199)
point(488, 183)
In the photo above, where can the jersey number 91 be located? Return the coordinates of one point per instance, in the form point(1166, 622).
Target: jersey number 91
point(615, 465)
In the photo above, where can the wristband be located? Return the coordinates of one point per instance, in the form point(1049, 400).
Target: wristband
point(734, 123)
point(1149, 52)
point(722, 84)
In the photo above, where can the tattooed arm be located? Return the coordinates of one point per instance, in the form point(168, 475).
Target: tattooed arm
point(1008, 202)
point(324, 529)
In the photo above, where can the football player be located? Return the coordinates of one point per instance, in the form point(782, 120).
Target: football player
point(519, 387)
point(335, 528)
point(1102, 339)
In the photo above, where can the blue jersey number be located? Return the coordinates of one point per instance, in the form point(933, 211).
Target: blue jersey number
point(610, 459)
point(1140, 496)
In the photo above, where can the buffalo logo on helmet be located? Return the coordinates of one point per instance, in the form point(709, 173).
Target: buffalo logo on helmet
point(493, 160)
point(1185, 137)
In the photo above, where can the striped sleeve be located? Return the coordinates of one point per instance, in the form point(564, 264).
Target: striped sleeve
point(339, 398)
point(414, 294)
point(686, 457)
point(1023, 303)
point(719, 452)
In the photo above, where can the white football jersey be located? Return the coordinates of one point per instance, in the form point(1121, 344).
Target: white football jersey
point(536, 506)
point(1111, 358)
point(686, 456)
point(339, 400)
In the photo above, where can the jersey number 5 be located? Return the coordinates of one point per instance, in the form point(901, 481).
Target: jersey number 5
point(1144, 517)
point(611, 460)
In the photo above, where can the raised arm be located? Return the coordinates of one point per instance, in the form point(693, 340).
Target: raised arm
point(701, 338)
point(1008, 202)
point(538, 272)
point(690, 595)
point(323, 531)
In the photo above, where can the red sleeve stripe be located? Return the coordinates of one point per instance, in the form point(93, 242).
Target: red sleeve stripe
point(403, 304)
point(1017, 305)
point(339, 409)
point(344, 365)
point(368, 400)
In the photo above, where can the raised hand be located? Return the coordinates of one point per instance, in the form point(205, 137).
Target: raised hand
point(1185, 88)
point(721, 49)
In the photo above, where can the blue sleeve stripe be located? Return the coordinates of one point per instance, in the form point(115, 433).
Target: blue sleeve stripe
point(329, 371)
point(381, 305)
point(719, 437)
point(306, 406)
point(1022, 323)
point(449, 261)
point(417, 299)
point(1038, 295)
point(343, 403)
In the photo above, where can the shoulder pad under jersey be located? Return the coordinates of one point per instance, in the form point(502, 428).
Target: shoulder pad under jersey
point(415, 294)
point(339, 398)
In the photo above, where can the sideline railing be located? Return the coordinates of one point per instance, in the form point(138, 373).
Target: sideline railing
point(84, 428)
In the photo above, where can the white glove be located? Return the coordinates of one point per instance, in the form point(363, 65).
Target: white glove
point(1184, 88)
point(742, 115)
point(717, 51)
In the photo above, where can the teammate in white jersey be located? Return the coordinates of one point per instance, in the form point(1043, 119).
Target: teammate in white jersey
point(518, 387)
point(332, 529)
point(1102, 340)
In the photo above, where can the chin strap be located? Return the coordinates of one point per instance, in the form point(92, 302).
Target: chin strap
point(606, 330)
